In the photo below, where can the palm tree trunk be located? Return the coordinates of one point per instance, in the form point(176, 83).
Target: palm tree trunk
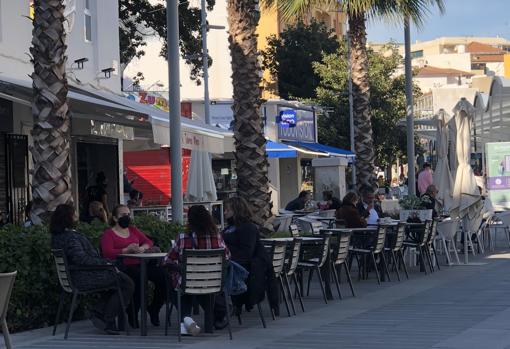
point(51, 181)
point(250, 155)
point(364, 145)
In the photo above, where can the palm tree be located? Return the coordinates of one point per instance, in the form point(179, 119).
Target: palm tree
point(358, 11)
point(250, 154)
point(51, 181)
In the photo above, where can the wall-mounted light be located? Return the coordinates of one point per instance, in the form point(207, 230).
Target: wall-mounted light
point(80, 62)
point(108, 72)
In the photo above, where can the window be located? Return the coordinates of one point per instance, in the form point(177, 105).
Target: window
point(88, 21)
point(416, 54)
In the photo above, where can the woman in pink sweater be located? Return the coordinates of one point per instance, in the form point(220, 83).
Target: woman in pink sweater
point(123, 237)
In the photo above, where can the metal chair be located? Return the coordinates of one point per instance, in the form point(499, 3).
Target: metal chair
point(202, 273)
point(291, 264)
point(314, 258)
point(375, 247)
point(431, 248)
point(6, 285)
point(339, 256)
point(294, 230)
point(311, 226)
point(446, 235)
point(64, 276)
point(419, 242)
point(282, 223)
point(327, 213)
point(500, 221)
point(395, 250)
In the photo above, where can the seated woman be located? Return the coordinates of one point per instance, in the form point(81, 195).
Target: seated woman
point(349, 213)
point(123, 237)
point(201, 234)
point(80, 252)
point(242, 238)
point(96, 213)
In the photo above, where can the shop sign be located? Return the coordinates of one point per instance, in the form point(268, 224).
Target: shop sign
point(497, 157)
point(151, 99)
point(105, 129)
point(304, 129)
point(286, 118)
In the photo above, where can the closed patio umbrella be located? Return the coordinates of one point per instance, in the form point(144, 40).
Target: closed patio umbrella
point(466, 196)
point(201, 186)
point(442, 176)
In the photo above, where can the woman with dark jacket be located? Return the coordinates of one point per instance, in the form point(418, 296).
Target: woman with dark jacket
point(349, 213)
point(80, 252)
point(243, 241)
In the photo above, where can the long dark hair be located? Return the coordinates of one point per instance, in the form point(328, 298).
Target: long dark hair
point(200, 221)
point(62, 219)
point(241, 209)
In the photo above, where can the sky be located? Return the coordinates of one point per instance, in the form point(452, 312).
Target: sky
point(461, 18)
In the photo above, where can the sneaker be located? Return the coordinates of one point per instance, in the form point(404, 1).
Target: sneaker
point(191, 326)
point(184, 332)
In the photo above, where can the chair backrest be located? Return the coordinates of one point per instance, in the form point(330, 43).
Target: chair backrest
point(504, 217)
point(277, 254)
point(6, 285)
point(426, 232)
point(202, 271)
point(448, 228)
point(325, 250)
point(340, 223)
point(381, 237)
point(295, 252)
point(341, 248)
point(63, 274)
point(294, 230)
point(432, 232)
point(400, 237)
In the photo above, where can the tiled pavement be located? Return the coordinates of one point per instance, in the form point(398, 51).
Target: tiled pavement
point(457, 307)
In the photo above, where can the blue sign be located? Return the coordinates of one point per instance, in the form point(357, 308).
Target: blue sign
point(287, 118)
point(303, 129)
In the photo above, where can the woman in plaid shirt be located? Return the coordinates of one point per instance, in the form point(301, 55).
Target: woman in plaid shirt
point(202, 233)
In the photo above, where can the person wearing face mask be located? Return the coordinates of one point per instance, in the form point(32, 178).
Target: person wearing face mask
point(81, 253)
point(123, 237)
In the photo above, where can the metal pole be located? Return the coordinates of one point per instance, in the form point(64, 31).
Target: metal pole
point(205, 64)
point(351, 109)
point(411, 179)
point(172, 22)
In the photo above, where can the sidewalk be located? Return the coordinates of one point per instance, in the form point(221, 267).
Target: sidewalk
point(457, 307)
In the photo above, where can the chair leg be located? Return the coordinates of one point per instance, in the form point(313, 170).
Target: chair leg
point(59, 312)
point(284, 295)
point(385, 265)
point(289, 292)
point(168, 316)
point(228, 315)
point(435, 256)
point(401, 255)
point(298, 292)
point(336, 277)
point(71, 312)
point(349, 280)
point(179, 310)
point(422, 259)
point(395, 264)
point(310, 274)
point(375, 267)
point(7, 336)
point(321, 283)
point(123, 314)
point(446, 252)
point(261, 315)
point(426, 248)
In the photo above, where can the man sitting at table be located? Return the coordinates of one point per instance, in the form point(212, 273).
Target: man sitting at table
point(429, 199)
point(299, 202)
point(349, 213)
point(366, 206)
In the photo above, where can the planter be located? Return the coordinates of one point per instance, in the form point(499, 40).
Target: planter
point(422, 215)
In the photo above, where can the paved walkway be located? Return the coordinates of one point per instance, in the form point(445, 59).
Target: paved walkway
point(457, 307)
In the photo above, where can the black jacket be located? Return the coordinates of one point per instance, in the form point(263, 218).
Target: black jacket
point(296, 204)
point(80, 252)
point(365, 213)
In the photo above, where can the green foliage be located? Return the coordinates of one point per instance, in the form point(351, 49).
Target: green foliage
point(35, 296)
point(412, 202)
point(290, 57)
point(140, 19)
point(387, 102)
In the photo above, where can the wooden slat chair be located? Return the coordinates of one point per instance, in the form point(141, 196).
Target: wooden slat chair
point(339, 257)
point(276, 251)
point(294, 230)
point(64, 276)
point(291, 264)
point(6, 285)
point(314, 258)
point(374, 248)
point(395, 250)
point(419, 242)
point(202, 273)
point(431, 248)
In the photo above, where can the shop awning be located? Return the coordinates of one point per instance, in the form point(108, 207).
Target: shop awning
point(320, 149)
point(279, 150)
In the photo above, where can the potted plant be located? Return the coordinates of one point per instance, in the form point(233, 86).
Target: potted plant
point(413, 209)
